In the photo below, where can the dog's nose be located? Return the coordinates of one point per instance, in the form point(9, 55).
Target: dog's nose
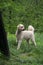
point(23, 29)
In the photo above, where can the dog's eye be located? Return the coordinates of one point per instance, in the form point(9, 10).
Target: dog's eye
point(22, 27)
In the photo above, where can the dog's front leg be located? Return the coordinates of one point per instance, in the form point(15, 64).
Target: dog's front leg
point(19, 43)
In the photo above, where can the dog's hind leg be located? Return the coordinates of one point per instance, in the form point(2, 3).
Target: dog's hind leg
point(33, 40)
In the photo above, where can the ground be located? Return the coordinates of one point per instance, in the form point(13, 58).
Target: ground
point(26, 55)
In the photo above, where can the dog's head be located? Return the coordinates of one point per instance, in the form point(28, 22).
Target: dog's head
point(31, 28)
point(20, 27)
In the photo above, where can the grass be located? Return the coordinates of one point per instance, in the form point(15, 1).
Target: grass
point(26, 55)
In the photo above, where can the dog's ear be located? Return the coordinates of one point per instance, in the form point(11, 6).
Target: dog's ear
point(18, 26)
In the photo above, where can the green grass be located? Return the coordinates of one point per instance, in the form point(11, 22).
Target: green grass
point(26, 55)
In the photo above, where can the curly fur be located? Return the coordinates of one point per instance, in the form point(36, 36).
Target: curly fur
point(24, 34)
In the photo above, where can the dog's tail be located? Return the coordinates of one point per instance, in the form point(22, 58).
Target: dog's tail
point(31, 28)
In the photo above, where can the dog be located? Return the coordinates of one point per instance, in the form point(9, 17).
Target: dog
point(24, 34)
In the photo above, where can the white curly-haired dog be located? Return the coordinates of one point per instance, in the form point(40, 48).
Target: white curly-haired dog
point(24, 34)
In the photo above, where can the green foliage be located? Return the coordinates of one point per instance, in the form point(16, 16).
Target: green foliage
point(22, 11)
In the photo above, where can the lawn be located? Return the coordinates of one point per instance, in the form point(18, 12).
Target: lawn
point(26, 55)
